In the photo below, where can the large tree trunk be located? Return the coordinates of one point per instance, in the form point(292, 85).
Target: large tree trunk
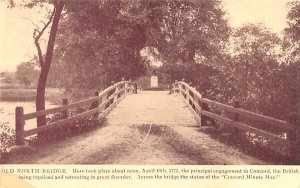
point(45, 66)
point(40, 96)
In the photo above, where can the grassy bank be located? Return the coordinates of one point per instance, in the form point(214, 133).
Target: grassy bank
point(12, 94)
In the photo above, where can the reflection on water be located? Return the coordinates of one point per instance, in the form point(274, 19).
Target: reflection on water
point(7, 112)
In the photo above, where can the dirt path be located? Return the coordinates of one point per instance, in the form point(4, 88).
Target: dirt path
point(147, 128)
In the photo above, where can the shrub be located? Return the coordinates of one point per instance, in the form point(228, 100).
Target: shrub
point(7, 139)
point(67, 130)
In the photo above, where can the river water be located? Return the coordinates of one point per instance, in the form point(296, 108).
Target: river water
point(7, 113)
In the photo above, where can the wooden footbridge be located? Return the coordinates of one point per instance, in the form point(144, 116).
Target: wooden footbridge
point(148, 127)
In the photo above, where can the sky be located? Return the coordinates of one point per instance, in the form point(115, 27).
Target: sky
point(16, 25)
point(272, 13)
point(16, 35)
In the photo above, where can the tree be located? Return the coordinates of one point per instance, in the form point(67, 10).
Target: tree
point(182, 30)
point(26, 73)
point(45, 59)
point(99, 54)
point(256, 70)
point(293, 20)
point(179, 30)
point(7, 77)
point(102, 40)
point(189, 37)
point(291, 64)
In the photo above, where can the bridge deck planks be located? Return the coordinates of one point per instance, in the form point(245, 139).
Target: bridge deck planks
point(150, 107)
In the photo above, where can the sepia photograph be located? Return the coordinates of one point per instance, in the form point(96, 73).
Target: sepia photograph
point(150, 82)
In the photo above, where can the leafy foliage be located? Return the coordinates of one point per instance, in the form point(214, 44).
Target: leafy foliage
point(26, 73)
point(7, 139)
point(7, 77)
point(182, 30)
point(103, 45)
point(255, 67)
point(291, 69)
point(102, 40)
point(78, 127)
point(293, 21)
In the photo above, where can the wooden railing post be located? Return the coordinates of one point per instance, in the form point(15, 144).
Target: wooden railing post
point(116, 96)
point(188, 94)
point(198, 101)
point(123, 87)
point(174, 86)
point(112, 94)
point(295, 140)
point(203, 106)
point(236, 117)
point(105, 101)
point(130, 86)
point(19, 125)
point(65, 113)
point(204, 118)
point(95, 104)
point(181, 85)
point(182, 91)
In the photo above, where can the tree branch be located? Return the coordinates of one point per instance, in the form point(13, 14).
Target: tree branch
point(45, 26)
point(53, 32)
point(37, 35)
point(40, 54)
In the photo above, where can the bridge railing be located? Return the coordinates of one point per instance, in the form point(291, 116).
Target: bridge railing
point(99, 105)
point(273, 129)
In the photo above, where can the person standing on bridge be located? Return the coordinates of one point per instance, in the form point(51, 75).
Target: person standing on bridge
point(135, 87)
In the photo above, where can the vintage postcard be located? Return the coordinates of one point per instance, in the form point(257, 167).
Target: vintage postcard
point(149, 93)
